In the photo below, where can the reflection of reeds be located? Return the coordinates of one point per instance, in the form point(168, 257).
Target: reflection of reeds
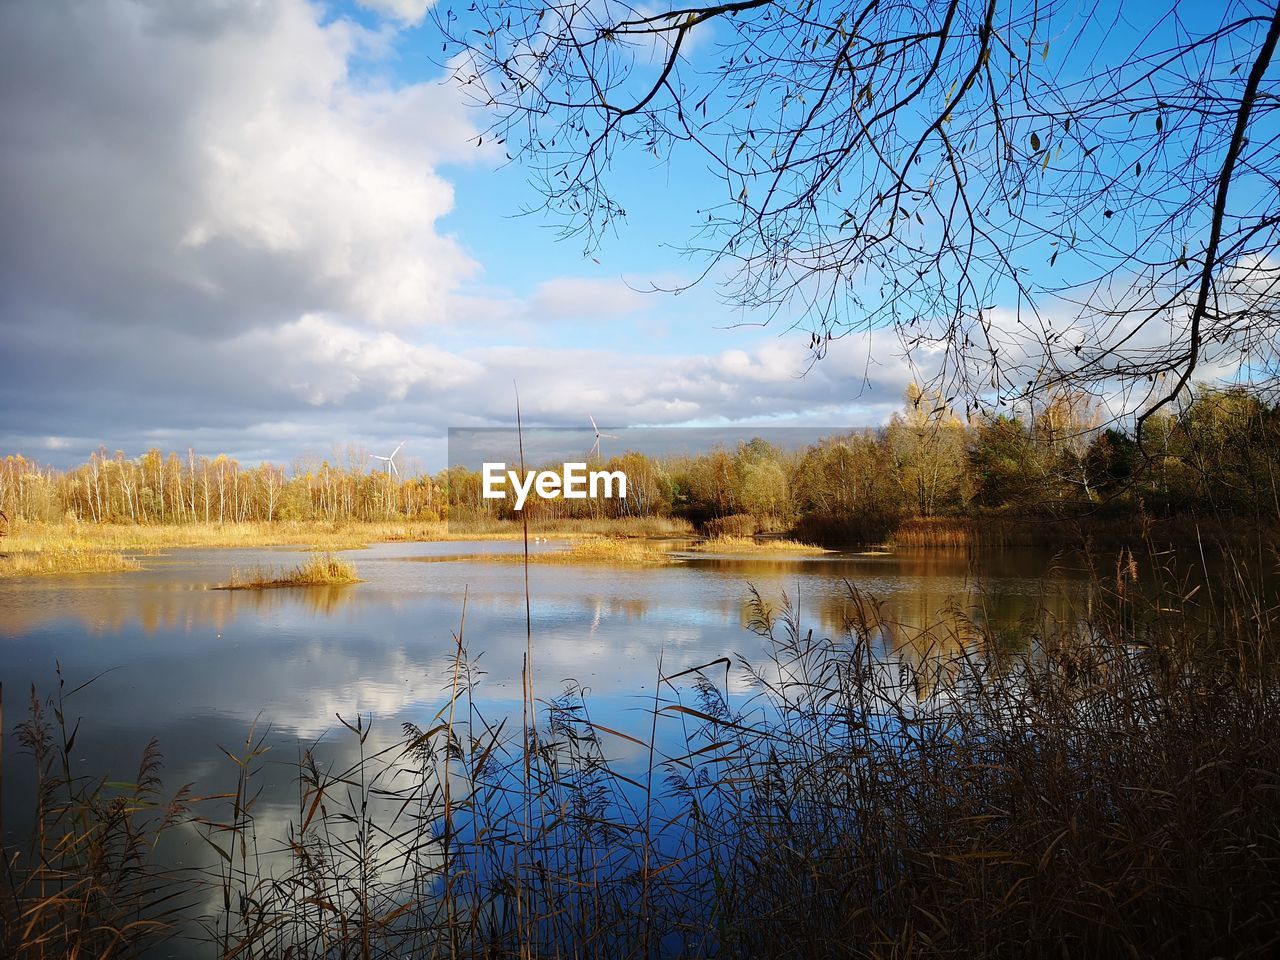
point(319, 570)
point(1108, 790)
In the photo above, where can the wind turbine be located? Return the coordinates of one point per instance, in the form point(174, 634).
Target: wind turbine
point(595, 447)
point(390, 461)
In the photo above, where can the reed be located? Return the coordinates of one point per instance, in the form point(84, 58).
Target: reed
point(63, 558)
point(86, 882)
point(28, 538)
point(321, 569)
point(608, 550)
point(958, 533)
point(729, 544)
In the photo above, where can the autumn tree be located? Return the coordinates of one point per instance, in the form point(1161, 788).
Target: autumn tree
point(928, 444)
point(848, 488)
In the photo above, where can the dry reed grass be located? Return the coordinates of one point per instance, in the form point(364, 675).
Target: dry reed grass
point(319, 570)
point(86, 883)
point(63, 558)
point(729, 544)
point(605, 550)
point(321, 535)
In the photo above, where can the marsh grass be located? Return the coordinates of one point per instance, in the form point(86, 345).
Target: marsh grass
point(318, 570)
point(27, 537)
point(31, 538)
point(62, 558)
point(959, 533)
point(1106, 788)
point(85, 883)
point(731, 544)
point(607, 550)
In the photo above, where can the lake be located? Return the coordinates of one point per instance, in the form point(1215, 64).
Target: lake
point(197, 667)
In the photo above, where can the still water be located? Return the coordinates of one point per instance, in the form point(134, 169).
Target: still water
point(197, 667)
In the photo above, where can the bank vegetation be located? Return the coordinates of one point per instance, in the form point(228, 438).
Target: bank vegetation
point(933, 476)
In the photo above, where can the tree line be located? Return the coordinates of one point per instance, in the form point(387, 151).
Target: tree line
point(1217, 456)
point(173, 488)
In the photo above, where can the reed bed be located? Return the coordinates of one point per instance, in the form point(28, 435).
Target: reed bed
point(730, 544)
point(318, 570)
point(30, 538)
point(611, 527)
point(608, 550)
point(1106, 788)
point(85, 882)
point(63, 558)
point(956, 533)
point(26, 537)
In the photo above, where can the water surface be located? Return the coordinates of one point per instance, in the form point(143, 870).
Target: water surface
point(198, 667)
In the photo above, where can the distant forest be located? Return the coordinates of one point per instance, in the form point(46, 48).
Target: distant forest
point(1218, 457)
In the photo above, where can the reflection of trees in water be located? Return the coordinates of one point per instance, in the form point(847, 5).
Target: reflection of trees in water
point(926, 629)
point(171, 609)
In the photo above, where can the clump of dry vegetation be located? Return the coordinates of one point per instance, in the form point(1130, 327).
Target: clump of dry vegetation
point(608, 550)
point(734, 525)
point(63, 558)
point(321, 569)
point(621, 551)
point(729, 544)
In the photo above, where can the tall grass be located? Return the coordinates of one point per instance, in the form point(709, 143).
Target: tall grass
point(729, 544)
point(617, 551)
point(1106, 788)
point(85, 883)
point(63, 558)
point(37, 538)
point(318, 570)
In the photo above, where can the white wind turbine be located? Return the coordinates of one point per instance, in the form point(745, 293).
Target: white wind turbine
point(390, 461)
point(595, 447)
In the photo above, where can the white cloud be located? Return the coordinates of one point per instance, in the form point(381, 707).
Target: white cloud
point(324, 362)
point(583, 298)
point(409, 12)
point(180, 161)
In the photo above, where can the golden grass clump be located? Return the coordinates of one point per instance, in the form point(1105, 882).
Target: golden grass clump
point(621, 551)
point(64, 558)
point(610, 550)
point(319, 570)
point(751, 545)
point(937, 532)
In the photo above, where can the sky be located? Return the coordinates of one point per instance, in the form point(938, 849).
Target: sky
point(264, 228)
